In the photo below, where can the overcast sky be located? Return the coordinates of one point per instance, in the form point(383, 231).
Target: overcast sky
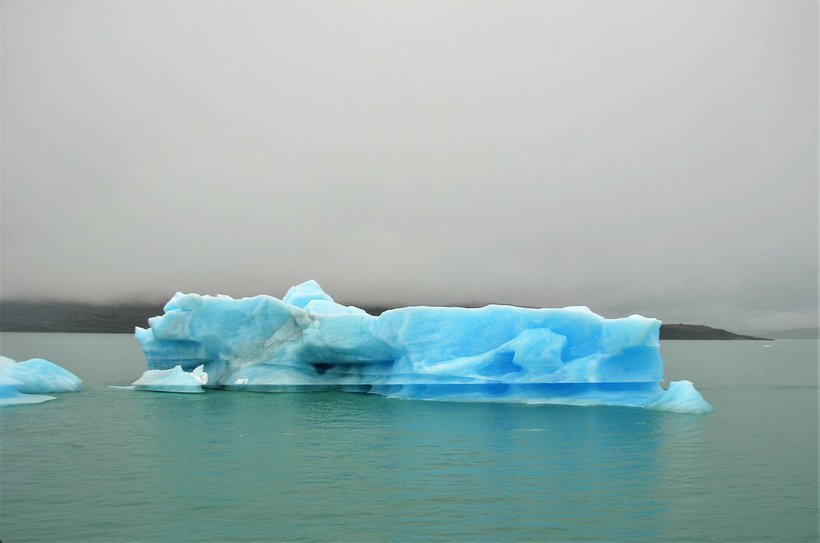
point(635, 157)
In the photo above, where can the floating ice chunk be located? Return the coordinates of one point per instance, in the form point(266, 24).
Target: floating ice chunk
point(37, 376)
point(681, 397)
point(25, 382)
point(9, 395)
point(173, 380)
point(307, 341)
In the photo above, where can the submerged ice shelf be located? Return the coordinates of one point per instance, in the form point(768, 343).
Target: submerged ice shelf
point(306, 341)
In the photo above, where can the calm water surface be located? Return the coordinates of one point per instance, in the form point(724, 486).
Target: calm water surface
point(115, 465)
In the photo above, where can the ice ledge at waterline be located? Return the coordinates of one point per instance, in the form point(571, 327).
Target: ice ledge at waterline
point(306, 341)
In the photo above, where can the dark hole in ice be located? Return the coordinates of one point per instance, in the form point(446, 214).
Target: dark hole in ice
point(321, 367)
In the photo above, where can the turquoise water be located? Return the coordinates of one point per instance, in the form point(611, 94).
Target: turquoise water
point(115, 465)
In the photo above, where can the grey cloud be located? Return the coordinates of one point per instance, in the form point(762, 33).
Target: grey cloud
point(631, 156)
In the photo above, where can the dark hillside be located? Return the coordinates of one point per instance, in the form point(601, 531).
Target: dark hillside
point(17, 316)
point(74, 317)
point(699, 331)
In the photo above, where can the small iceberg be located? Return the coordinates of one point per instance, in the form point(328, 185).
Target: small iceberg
point(28, 381)
point(9, 395)
point(681, 397)
point(173, 380)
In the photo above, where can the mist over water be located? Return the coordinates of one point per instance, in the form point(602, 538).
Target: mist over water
point(634, 157)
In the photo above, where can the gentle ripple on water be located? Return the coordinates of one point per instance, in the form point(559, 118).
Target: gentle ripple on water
point(116, 465)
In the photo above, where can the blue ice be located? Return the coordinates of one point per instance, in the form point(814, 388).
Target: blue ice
point(29, 381)
point(681, 397)
point(307, 341)
point(173, 380)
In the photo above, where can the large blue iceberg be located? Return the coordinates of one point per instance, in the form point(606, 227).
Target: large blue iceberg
point(306, 341)
point(29, 381)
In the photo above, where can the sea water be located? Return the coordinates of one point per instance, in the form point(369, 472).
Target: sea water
point(115, 465)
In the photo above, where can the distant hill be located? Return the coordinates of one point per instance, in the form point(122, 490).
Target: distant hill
point(17, 316)
point(699, 331)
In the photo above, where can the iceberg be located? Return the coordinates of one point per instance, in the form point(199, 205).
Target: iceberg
point(28, 381)
point(306, 341)
point(9, 395)
point(681, 397)
point(173, 380)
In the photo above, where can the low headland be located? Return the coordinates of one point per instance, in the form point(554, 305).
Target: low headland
point(28, 316)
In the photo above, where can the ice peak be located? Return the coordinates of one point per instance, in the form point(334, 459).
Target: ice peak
point(304, 293)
